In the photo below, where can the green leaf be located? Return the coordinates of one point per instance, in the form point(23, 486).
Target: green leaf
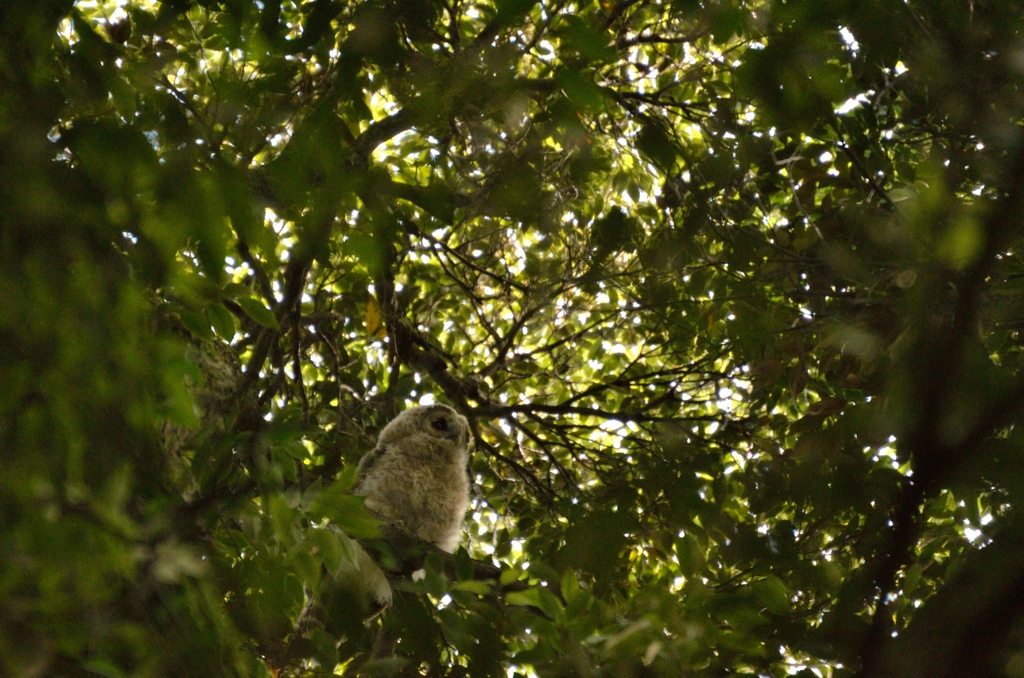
point(222, 320)
point(197, 324)
point(690, 555)
point(591, 43)
point(510, 11)
point(324, 545)
point(570, 586)
point(236, 291)
point(346, 511)
point(655, 143)
point(480, 588)
point(346, 480)
point(463, 565)
point(773, 594)
point(538, 597)
point(258, 312)
point(103, 667)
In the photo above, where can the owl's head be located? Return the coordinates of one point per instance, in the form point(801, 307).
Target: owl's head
point(436, 421)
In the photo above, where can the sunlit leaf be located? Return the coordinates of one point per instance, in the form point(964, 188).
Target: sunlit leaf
point(373, 321)
point(255, 309)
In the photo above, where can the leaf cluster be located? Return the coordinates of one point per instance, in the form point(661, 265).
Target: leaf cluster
point(729, 292)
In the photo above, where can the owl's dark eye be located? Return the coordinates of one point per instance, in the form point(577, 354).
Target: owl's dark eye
point(440, 424)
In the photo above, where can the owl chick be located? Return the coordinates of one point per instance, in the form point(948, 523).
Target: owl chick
point(214, 386)
point(415, 478)
point(415, 481)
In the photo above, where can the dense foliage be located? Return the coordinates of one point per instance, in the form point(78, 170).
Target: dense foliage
point(731, 293)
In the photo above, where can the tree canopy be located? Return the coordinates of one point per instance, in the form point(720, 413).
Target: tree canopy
point(730, 292)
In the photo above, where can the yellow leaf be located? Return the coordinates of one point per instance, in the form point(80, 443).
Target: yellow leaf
point(372, 320)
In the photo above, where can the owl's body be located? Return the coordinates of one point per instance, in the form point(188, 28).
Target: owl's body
point(415, 481)
point(415, 478)
point(215, 394)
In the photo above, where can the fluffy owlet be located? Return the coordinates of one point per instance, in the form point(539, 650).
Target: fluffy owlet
point(415, 478)
point(415, 481)
point(215, 396)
